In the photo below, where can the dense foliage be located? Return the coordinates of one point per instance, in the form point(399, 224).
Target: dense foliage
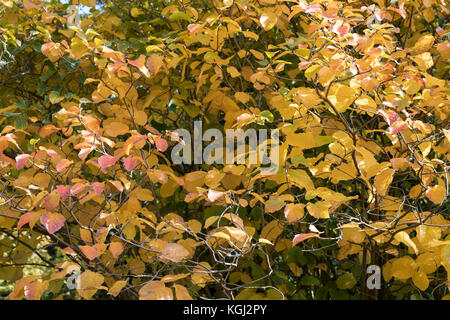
point(93, 207)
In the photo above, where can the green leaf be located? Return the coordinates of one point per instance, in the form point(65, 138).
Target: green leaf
point(179, 16)
point(266, 116)
point(346, 281)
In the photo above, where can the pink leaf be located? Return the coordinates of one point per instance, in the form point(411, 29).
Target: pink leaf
point(52, 221)
point(51, 201)
point(214, 195)
point(139, 138)
point(106, 161)
point(63, 191)
point(129, 163)
point(390, 117)
point(98, 187)
point(63, 164)
point(161, 144)
point(140, 64)
point(84, 153)
point(343, 30)
point(45, 48)
point(51, 153)
point(77, 188)
point(21, 159)
point(398, 126)
point(194, 27)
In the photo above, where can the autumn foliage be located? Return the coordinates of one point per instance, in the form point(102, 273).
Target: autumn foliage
point(90, 100)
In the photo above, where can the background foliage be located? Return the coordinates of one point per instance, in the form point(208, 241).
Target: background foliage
point(358, 90)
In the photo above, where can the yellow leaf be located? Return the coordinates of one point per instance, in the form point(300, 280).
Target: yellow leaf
point(420, 280)
point(437, 193)
point(136, 12)
point(342, 97)
point(319, 209)
point(155, 290)
point(174, 252)
point(404, 238)
point(403, 268)
point(116, 128)
point(88, 284)
point(383, 180)
point(181, 292)
point(294, 211)
point(233, 72)
point(117, 287)
point(265, 241)
point(268, 20)
point(271, 230)
point(274, 204)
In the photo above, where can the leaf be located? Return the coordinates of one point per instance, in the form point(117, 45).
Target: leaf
point(300, 178)
point(52, 221)
point(54, 97)
point(106, 161)
point(34, 290)
point(181, 292)
point(155, 290)
point(342, 97)
point(214, 195)
point(319, 210)
point(274, 204)
point(437, 193)
point(383, 180)
point(115, 128)
point(308, 280)
point(346, 281)
point(161, 144)
point(403, 268)
point(47, 130)
point(63, 165)
point(98, 187)
point(404, 238)
point(88, 284)
point(264, 241)
point(63, 191)
point(30, 217)
point(420, 280)
point(115, 289)
point(92, 252)
point(129, 163)
point(268, 20)
point(271, 231)
point(154, 63)
point(176, 16)
point(19, 286)
point(294, 212)
point(21, 159)
point(116, 249)
point(302, 237)
point(174, 252)
point(51, 201)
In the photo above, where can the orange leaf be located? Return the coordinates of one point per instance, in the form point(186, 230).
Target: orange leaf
point(116, 249)
point(52, 221)
point(303, 236)
point(106, 161)
point(63, 164)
